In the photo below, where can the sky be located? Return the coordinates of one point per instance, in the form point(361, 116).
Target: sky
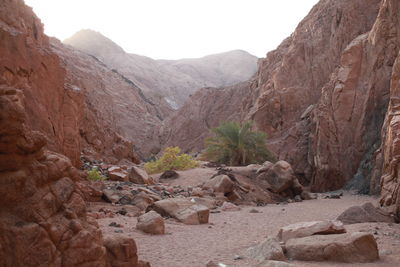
point(174, 29)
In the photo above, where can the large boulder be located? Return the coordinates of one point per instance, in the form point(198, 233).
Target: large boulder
point(121, 252)
point(354, 247)
point(269, 249)
point(115, 173)
point(183, 210)
point(248, 171)
point(219, 184)
point(151, 223)
point(365, 213)
point(303, 229)
point(279, 177)
point(139, 176)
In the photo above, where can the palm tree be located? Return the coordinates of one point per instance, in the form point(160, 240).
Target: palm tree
point(236, 144)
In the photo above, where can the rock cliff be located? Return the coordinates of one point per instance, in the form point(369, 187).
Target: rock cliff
point(43, 220)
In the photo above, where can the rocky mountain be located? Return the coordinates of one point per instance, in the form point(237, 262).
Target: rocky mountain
point(174, 80)
point(326, 97)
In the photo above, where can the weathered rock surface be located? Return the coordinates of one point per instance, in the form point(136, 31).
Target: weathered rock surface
point(139, 176)
point(183, 210)
point(304, 229)
point(282, 97)
point(43, 218)
point(121, 252)
point(269, 249)
point(354, 247)
point(363, 214)
point(151, 223)
point(219, 184)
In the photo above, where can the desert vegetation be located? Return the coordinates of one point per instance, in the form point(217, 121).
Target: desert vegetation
point(236, 144)
point(172, 159)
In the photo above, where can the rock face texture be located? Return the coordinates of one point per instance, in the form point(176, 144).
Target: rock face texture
point(173, 80)
point(43, 220)
point(327, 97)
point(354, 247)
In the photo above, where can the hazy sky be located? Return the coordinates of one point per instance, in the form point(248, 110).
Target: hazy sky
point(172, 29)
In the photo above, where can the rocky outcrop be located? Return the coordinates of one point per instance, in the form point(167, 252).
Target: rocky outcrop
point(43, 219)
point(172, 80)
point(350, 114)
point(388, 155)
point(282, 97)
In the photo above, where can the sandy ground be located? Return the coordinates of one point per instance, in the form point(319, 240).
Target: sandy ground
point(230, 233)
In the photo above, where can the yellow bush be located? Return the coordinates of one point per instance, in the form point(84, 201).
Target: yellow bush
point(95, 175)
point(172, 159)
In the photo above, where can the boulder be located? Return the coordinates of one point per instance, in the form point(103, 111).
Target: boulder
point(169, 175)
point(279, 177)
point(151, 223)
point(91, 191)
point(248, 171)
point(121, 251)
point(115, 173)
point(195, 214)
point(303, 229)
point(265, 167)
point(351, 247)
point(269, 249)
point(142, 200)
point(227, 206)
point(139, 176)
point(220, 183)
point(365, 213)
point(208, 202)
point(183, 210)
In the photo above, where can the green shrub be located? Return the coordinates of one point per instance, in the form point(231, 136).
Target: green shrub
point(172, 159)
point(95, 175)
point(236, 144)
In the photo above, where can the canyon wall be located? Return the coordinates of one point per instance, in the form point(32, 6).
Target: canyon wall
point(288, 85)
point(43, 219)
point(42, 215)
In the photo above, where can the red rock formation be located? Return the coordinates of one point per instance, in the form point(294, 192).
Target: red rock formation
point(286, 88)
point(350, 113)
point(43, 218)
point(388, 28)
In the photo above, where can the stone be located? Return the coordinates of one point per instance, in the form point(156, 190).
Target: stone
point(139, 176)
point(365, 213)
point(169, 175)
point(195, 214)
point(248, 171)
point(183, 210)
point(228, 206)
point(280, 176)
point(151, 223)
point(350, 247)
point(303, 229)
point(308, 196)
point(121, 251)
point(115, 173)
point(269, 249)
point(265, 167)
point(220, 183)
